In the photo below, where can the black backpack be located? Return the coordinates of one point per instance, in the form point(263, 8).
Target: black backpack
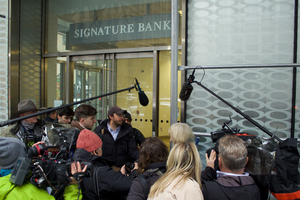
point(143, 180)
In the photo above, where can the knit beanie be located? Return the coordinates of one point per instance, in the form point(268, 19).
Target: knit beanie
point(88, 140)
point(10, 150)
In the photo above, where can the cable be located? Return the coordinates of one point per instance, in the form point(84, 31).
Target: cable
point(203, 73)
point(78, 183)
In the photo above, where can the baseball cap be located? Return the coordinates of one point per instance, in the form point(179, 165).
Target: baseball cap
point(117, 110)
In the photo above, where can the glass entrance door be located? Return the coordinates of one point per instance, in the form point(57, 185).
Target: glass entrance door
point(102, 74)
point(88, 81)
point(126, 72)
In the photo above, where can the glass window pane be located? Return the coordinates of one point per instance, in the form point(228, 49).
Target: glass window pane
point(55, 76)
point(165, 92)
point(142, 70)
point(240, 32)
point(75, 25)
point(263, 94)
point(30, 57)
point(88, 77)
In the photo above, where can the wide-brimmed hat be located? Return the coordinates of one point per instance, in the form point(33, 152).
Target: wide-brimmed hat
point(24, 106)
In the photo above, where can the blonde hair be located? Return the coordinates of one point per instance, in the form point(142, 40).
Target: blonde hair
point(184, 162)
point(233, 152)
point(181, 132)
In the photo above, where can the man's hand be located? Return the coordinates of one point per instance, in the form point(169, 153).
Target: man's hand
point(38, 143)
point(76, 168)
point(210, 162)
point(136, 166)
point(123, 170)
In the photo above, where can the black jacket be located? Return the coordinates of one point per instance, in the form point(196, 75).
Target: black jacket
point(105, 183)
point(229, 187)
point(123, 149)
point(48, 120)
point(138, 136)
point(137, 191)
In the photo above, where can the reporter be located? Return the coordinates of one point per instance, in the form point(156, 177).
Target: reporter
point(152, 164)
point(231, 181)
point(181, 132)
point(182, 178)
point(105, 183)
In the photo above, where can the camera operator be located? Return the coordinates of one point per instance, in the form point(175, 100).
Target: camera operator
point(105, 183)
point(51, 117)
point(10, 150)
point(28, 130)
point(231, 181)
point(65, 115)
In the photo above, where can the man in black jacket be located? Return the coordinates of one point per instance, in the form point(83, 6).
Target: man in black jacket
point(105, 183)
point(231, 182)
point(117, 137)
point(138, 136)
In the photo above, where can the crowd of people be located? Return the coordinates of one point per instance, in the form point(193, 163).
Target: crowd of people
point(155, 172)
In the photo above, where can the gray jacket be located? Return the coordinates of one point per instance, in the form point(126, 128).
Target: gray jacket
point(13, 129)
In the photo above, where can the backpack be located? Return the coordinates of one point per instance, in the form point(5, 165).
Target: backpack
point(146, 187)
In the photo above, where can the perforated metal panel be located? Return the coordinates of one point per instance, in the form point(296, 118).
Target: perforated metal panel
point(3, 61)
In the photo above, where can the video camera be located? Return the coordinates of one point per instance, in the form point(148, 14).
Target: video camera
point(215, 135)
point(50, 166)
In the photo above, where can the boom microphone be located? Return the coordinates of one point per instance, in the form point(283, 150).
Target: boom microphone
point(142, 96)
point(187, 88)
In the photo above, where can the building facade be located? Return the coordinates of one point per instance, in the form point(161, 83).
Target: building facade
point(57, 52)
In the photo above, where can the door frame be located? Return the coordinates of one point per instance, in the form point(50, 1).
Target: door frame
point(113, 57)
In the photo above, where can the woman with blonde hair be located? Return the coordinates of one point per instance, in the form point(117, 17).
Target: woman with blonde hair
point(181, 132)
point(182, 178)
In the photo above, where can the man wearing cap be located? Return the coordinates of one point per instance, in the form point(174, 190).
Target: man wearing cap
point(105, 183)
point(117, 137)
point(28, 130)
point(138, 136)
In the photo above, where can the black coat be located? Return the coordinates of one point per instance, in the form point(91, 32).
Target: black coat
point(105, 183)
point(229, 187)
point(122, 150)
point(137, 191)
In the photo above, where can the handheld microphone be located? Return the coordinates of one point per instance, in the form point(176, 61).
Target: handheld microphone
point(187, 88)
point(142, 96)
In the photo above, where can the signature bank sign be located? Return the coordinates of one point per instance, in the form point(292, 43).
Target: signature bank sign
point(134, 28)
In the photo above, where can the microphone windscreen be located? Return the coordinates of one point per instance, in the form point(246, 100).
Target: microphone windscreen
point(143, 98)
point(186, 91)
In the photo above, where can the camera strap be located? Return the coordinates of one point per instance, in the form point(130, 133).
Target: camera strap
point(96, 178)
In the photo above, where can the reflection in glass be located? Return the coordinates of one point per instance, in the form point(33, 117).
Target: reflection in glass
point(88, 83)
point(55, 76)
point(74, 25)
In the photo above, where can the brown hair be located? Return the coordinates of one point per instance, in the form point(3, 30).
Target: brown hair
point(84, 111)
point(153, 150)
